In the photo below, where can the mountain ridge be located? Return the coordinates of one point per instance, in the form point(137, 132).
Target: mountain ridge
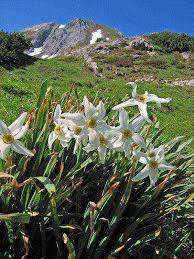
point(52, 39)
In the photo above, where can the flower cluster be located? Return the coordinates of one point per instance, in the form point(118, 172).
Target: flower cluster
point(89, 128)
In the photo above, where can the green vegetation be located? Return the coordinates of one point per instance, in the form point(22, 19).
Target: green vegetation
point(134, 64)
point(171, 41)
point(57, 204)
point(108, 31)
point(19, 90)
point(12, 47)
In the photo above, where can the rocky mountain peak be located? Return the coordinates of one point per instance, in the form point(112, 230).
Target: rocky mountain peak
point(52, 39)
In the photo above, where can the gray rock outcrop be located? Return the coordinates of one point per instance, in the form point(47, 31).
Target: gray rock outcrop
point(51, 39)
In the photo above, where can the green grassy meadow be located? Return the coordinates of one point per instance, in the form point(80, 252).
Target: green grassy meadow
point(19, 91)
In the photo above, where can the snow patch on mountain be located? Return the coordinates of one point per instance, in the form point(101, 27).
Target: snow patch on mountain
point(95, 36)
point(45, 56)
point(62, 26)
point(35, 52)
point(53, 56)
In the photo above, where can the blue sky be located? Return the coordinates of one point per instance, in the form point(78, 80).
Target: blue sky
point(132, 17)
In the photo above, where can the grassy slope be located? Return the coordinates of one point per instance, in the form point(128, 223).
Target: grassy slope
point(19, 92)
point(135, 64)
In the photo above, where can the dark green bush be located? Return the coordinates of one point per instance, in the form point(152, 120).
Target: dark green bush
point(99, 40)
point(170, 41)
point(12, 47)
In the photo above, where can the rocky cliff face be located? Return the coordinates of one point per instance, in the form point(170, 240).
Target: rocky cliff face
point(51, 39)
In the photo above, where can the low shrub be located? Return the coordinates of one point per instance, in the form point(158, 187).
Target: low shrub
point(59, 200)
point(170, 41)
point(12, 47)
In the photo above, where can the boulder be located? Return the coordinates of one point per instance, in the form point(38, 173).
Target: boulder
point(141, 43)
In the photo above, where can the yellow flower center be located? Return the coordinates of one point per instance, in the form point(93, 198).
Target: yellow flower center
point(103, 141)
point(91, 123)
point(126, 133)
point(77, 130)
point(142, 98)
point(153, 164)
point(8, 139)
point(151, 154)
point(58, 130)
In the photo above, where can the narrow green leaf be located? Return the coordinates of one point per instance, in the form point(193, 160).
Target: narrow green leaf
point(49, 186)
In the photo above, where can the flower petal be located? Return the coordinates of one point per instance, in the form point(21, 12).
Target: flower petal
point(63, 143)
point(137, 123)
point(93, 137)
point(102, 126)
point(89, 148)
point(123, 118)
point(18, 123)
point(102, 154)
point(101, 110)
point(89, 108)
point(118, 143)
point(134, 92)
point(78, 140)
point(3, 128)
point(141, 157)
point(155, 98)
point(52, 137)
point(57, 113)
point(76, 118)
point(130, 102)
point(66, 135)
point(127, 148)
point(138, 139)
point(153, 175)
point(134, 85)
point(22, 131)
point(19, 147)
point(142, 174)
point(4, 149)
point(143, 110)
point(166, 166)
point(159, 153)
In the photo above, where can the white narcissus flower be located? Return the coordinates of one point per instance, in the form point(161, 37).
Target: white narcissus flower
point(87, 123)
point(61, 131)
point(141, 101)
point(127, 133)
point(154, 161)
point(101, 142)
point(9, 137)
point(79, 133)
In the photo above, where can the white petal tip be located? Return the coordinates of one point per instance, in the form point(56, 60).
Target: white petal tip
point(131, 83)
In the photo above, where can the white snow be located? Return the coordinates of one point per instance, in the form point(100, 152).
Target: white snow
point(36, 51)
point(95, 36)
point(45, 56)
point(36, 29)
point(62, 26)
point(53, 56)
